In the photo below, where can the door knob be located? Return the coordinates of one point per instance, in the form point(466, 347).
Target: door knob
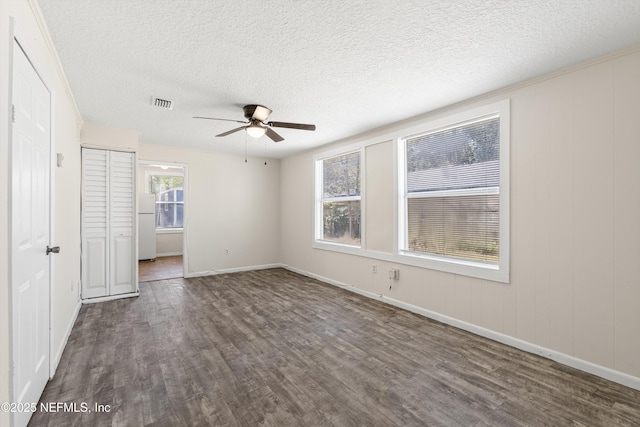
point(55, 249)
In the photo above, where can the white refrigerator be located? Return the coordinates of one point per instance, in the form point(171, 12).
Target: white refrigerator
point(146, 226)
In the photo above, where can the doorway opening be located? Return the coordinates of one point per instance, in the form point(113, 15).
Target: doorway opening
point(162, 209)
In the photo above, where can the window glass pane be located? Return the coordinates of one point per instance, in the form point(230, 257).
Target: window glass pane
point(465, 227)
point(342, 222)
point(169, 200)
point(341, 176)
point(160, 183)
point(466, 156)
point(169, 215)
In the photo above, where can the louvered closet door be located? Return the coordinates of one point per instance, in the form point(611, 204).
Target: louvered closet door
point(108, 223)
point(122, 223)
point(95, 197)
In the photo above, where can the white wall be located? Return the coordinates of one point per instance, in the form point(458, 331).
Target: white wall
point(66, 227)
point(575, 221)
point(94, 135)
point(169, 244)
point(230, 205)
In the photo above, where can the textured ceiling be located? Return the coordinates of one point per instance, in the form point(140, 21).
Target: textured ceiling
point(347, 66)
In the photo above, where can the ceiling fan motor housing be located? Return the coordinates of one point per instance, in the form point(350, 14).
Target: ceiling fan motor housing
point(249, 111)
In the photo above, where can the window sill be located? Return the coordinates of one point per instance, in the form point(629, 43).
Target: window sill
point(491, 272)
point(169, 230)
point(338, 247)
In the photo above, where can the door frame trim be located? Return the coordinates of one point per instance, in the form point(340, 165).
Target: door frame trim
point(185, 225)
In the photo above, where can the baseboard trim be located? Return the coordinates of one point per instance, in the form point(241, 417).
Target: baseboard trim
point(232, 270)
point(110, 298)
point(563, 358)
point(56, 360)
point(168, 254)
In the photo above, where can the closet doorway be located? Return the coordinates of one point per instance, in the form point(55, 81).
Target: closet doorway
point(162, 213)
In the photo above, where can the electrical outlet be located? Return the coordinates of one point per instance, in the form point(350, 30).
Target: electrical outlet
point(226, 251)
point(374, 269)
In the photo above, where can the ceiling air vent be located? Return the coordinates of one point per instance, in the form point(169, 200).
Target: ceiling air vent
point(162, 103)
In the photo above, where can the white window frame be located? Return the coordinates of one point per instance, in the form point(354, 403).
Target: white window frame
point(496, 272)
point(147, 186)
point(318, 234)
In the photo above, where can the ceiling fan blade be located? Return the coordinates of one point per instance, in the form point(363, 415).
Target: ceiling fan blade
point(261, 113)
point(214, 118)
point(300, 126)
point(273, 135)
point(229, 132)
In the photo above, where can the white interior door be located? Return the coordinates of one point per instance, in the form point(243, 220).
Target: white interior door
point(30, 217)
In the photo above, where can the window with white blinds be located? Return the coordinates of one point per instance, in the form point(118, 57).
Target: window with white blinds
point(454, 207)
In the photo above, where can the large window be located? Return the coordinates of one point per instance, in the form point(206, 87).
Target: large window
point(169, 191)
point(454, 190)
point(338, 198)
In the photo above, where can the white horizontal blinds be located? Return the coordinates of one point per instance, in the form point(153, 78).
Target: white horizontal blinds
point(465, 156)
point(95, 190)
point(465, 227)
point(122, 195)
point(341, 210)
point(452, 177)
point(452, 191)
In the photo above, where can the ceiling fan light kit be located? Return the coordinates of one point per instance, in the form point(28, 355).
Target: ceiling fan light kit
point(256, 116)
point(255, 130)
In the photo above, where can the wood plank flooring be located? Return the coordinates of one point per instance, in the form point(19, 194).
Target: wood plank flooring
point(275, 348)
point(168, 267)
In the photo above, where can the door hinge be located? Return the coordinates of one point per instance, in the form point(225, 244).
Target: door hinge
point(13, 113)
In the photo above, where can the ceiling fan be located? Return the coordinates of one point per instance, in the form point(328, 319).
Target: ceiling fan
point(257, 125)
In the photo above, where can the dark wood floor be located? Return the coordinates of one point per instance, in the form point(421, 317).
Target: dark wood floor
point(168, 267)
point(275, 348)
